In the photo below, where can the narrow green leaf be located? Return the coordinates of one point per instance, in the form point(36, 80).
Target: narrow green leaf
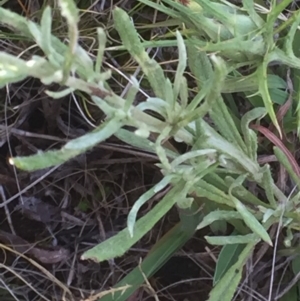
point(291, 36)
point(156, 105)
point(227, 257)
point(225, 124)
point(204, 189)
point(201, 68)
point(90, 140)
point(225, 288)
point(164, 9)
point(172, 241)
point(170, 100)
point(218, 227)
point(244, 194)
point(143, 199)
point(119, 244)
point(202, 24)
point(82, 58)
point(184, 92)
point(161, 252)
point(35, 32)
point(131, 94)
point(20, 24)
point(46, 26)
point(185, 203)
point(131, 41)
point(10, 78)
point(206, 153)
point(204, 168)
point(109, 110)
point(59, 94)
point(211, 139)
point(218, 215)
point(249, 6)
point(160, 151)
point(229, 240)
point(278, 96)
point(213, 101)
point(278, 55)
point(13, 68)
point(249, 135)
point(272, 18)
point(180, 67)
point(141, 143)
point(295, 75)
point(268, 184)
point(10, 63)
point(250, 83)
point(252, 222)
point(101, 47)
point(43, 160)
point(69, 10)
point(263, 90)
point(200, 65)
point(218, 11)
point(248, 217)
point(70, 150)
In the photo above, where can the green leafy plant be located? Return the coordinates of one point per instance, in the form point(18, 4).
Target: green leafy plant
point(220, 39)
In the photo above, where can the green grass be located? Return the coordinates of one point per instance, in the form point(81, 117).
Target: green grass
point(229, 85)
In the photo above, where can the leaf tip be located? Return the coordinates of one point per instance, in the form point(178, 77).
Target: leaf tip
point(84, 257)
point(11, 161)
point(130, 230)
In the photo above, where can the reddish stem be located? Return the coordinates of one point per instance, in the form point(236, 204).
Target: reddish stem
point(277, 142)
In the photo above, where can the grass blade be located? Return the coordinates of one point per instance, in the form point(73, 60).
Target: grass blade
point(172, 241)
point(225, 288)
point(119, 244)
point(227, 257)
point(70, 150)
